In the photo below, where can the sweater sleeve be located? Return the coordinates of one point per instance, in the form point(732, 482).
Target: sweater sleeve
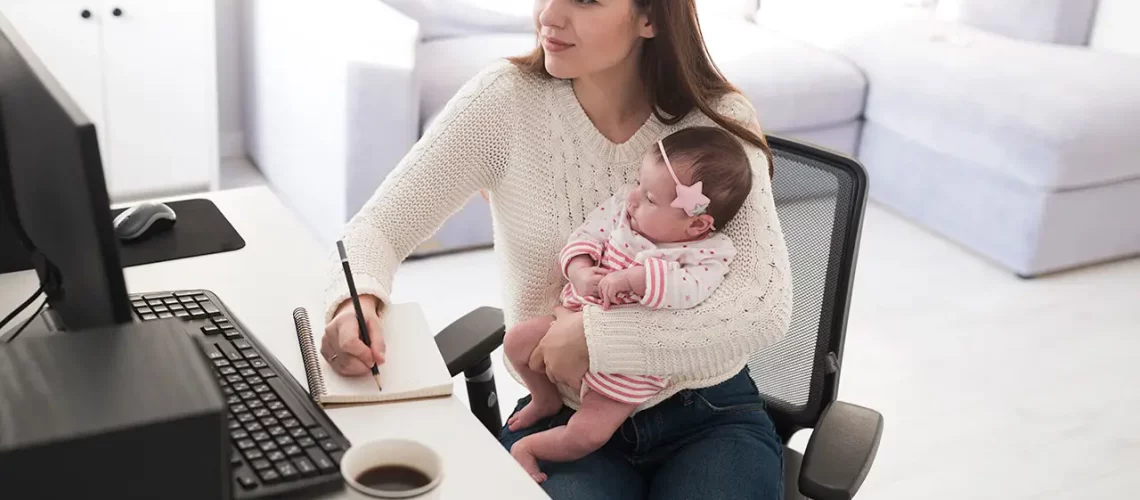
point(465, 150)
point(749, 311)
point(590, 238)
point(670, 285)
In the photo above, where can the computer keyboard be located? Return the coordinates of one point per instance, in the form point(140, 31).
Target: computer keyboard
point(282, 443)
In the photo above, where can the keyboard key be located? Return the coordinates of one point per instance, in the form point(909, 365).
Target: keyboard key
point(261, 463)
point(241, 364)
point(254, 426)
point(290, 423)
point(276, 455)
point(305, 466)
point(320, 459)
point(245, 444)
point(201, 297)
point(239, 433)
point(268, 396)
point(262, 413)
point(185, 293)
point(267, 373)
point(297, 432)
point(175, 307)
point(258, 363)
point(196, 313)
point(138, 303)
point(154, 303)
point(158, 296)
point(220, 362)
point(228, 370)
point(233, 400)
point(210, 330)
point(284, 440)
point(186, 300)
point(245, 417)
point(238, 408)
point(287, 470)
point(269, 421)
point(276, 405)
point(267, 446)
point(319, 433)
point(215, 355)
point(276, 430)
point(292, 401)
point(165, 315)
point(260, 436)
point(246, 481)
point(293, 450)
point(283, 415)
point(221, 321)
point(161, 309)
point(227, 391)
point(306, 441)
point(181, 314)
point(270, 476)
point(248, 372)
point(169, 301)
point(254, 454)
point(243, 344)
point(260, 388)
point(234, 425)
point(254, 404)
point(255, 380)
point(211, 309)
point(247, 394)
point(233, 379)
point(231, 334)
point(250, 354)
point(241, 386)
point(329, 445)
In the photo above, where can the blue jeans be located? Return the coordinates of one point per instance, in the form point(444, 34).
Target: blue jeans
point(717, 442)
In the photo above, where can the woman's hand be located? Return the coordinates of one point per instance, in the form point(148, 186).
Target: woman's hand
point(563, 353)
point(341, 345)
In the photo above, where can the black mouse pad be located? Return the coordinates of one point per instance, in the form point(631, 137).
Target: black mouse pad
point(201, 229)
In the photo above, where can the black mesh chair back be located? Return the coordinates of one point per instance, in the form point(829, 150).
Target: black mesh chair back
point(820, 198)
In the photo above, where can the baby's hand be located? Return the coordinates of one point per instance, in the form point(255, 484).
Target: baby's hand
point(612, 285)
point(586, 279)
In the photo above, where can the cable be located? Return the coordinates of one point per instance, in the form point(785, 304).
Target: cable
point(21, 307)
point(29, 321)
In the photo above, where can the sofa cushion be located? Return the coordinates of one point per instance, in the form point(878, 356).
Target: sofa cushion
point(1050, 116)
point(1051, 21)
point(792, 85)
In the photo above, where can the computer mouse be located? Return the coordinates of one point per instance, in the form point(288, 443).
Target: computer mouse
point(144, 220)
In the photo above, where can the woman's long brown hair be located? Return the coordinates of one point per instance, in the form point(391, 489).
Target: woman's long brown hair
point(678, 71)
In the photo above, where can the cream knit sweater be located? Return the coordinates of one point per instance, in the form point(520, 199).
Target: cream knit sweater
point(526, 140)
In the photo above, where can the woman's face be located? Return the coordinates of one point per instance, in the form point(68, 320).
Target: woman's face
point(584, 37)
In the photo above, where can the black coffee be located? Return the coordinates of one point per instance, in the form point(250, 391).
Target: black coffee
point(393, 478)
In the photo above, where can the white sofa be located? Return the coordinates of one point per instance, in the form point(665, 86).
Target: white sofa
point(993, 131)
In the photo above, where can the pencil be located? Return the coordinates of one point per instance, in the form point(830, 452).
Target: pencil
point(356, 305)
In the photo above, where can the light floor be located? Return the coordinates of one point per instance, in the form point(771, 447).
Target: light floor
point(991, 386)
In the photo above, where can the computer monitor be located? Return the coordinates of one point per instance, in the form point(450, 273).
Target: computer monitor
point(54, 194)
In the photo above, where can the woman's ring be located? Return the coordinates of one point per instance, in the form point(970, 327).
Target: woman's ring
point(333, 358)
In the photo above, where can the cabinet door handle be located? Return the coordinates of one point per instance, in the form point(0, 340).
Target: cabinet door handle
point(117, 12)
point(85, 14)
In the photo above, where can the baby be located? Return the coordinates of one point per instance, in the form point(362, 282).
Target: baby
point(653, 244)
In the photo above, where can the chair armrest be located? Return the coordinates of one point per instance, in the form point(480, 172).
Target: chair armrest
point(471, 339)
point(840, 452)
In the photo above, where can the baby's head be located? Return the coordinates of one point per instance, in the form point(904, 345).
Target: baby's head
point(707, 155)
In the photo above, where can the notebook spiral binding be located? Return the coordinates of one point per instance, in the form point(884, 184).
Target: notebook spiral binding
point(309, 354)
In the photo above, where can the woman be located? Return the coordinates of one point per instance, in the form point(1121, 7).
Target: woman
point(549, 136)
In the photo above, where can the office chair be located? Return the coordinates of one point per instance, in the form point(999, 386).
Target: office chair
point(820, 197)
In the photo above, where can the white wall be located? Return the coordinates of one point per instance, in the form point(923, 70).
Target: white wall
point(230, 67)
point(1115, 26)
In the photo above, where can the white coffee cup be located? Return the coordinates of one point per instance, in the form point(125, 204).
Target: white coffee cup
point(392, 452)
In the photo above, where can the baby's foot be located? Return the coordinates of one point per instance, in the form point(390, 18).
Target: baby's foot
point(537, 409)
point(527, 460)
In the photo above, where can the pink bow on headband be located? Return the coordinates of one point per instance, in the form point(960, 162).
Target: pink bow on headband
point(691, 199)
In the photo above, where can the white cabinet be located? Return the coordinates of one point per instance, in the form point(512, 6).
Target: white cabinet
point(144, 72)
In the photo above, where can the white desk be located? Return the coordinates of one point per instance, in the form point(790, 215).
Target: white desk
point(281, 268)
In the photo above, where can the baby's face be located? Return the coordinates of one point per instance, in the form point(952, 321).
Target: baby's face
point(648, 204)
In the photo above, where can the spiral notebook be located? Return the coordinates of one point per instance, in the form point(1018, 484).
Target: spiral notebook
point(413, 368)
